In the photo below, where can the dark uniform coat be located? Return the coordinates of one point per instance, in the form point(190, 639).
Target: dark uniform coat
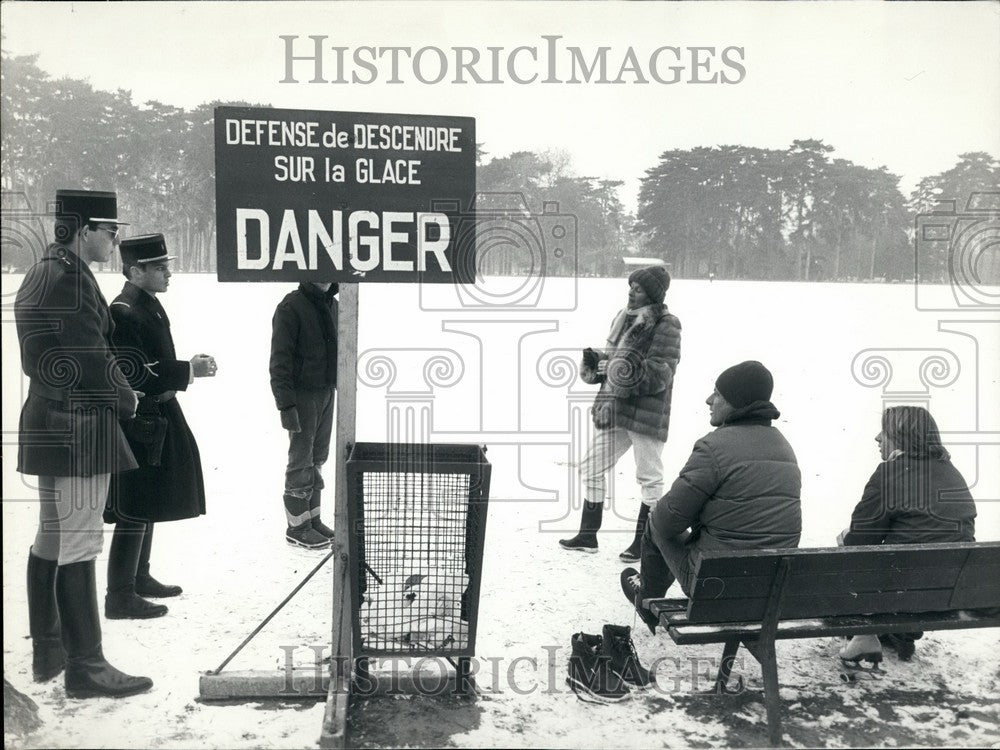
point(174, 489)
point(69, 423)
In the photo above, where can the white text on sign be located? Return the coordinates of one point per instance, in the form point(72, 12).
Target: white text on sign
point(298, 134)
point(366, 171)
point(365, 252)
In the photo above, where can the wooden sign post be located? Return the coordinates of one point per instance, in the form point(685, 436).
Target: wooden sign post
point(334, 733)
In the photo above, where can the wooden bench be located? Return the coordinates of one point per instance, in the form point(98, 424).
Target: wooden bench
point(755, 597)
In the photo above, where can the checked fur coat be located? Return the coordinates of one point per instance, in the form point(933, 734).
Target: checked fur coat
point(644, 347)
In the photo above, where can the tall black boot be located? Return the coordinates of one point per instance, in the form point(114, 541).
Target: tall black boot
point(314, 512)
point(48, 657)
point(88, 675)
point(590, 523)
point(145, 584)
point(121, 602)
point(632, 553)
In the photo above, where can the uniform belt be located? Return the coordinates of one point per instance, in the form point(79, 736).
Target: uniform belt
point(159, 398)
point(48, 392)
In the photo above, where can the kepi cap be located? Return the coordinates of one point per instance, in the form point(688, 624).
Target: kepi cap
point(88, 206)
point(146, 248)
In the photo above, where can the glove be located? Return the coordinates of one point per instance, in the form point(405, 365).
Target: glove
point(290, 419)
point(128, 402)
point(603, 414)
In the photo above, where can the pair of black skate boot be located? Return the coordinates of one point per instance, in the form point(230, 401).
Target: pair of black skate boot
point(603, 668)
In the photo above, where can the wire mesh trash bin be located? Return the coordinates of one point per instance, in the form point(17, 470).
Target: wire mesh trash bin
point(417, 516)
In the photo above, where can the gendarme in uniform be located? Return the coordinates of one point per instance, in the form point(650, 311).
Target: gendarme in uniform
point(168, 484)
point(69, 437)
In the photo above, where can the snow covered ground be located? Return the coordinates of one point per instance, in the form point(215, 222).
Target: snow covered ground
point(503, 377)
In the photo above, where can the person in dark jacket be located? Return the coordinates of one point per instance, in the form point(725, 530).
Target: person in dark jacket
point(70, 438)
point(632, 408)
point(168, 484)
point(740, 489)
point(915, 496)
point(303, 380)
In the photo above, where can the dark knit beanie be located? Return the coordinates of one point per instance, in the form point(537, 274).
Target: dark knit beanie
point(745, 383)
point(654, 281)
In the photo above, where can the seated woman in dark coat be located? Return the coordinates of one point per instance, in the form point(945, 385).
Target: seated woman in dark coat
point(915, 496)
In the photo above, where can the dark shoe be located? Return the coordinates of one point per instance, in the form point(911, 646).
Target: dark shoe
point(127, 605)
point(590, 524)
point(632, 588)
point(631, 554)
point(901, 643)
point(590, 674)
point(315, 503)
point(905, 650)
point(149, 586)
point(93, 677)
point(580, 543)
point(124, 554)
point(145, 584)
point(307, 537)
point(48, 657)
point(620, 649)
point(321, 528)
point(88, 674)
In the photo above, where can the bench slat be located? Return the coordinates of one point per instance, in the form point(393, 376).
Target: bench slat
point(978, 585)
point(740, 563)
point(979, 593)
point(821, 605)
point(747, 587)
point(736, 610)
point(985, 553)
point(684, 633)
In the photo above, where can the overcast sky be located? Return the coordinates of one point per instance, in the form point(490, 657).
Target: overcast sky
point(904, 85)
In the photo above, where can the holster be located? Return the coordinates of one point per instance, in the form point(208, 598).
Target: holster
point(148, 429)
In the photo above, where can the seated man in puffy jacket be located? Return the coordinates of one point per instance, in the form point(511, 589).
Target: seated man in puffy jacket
point(739, 489)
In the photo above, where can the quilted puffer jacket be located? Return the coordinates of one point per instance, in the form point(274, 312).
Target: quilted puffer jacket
point(740, 487)
point(636, 389)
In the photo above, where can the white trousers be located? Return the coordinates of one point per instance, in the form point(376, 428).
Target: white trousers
point(70, 518)
point(606, 449)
